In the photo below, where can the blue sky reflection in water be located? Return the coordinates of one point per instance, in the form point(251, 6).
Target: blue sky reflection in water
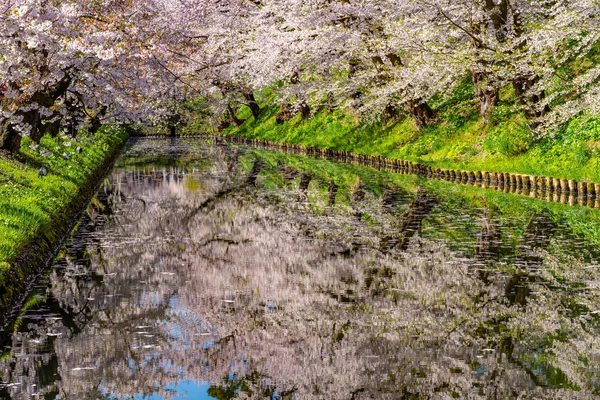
point(244, 273)
point(183, 390)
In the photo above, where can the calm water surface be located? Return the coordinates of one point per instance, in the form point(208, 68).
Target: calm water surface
point(204, 271)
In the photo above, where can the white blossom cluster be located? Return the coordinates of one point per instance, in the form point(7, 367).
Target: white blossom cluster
point(137, 60)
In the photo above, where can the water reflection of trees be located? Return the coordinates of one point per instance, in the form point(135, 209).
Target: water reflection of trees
point(205, 275)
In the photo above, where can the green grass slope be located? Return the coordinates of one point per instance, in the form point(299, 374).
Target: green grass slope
point(455, 140)
point(31, 205)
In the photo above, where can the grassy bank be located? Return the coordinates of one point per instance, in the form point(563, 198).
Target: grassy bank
point(456, 140)
point(36, 208)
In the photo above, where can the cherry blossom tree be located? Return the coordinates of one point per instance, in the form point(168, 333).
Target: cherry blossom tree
point(72, 64)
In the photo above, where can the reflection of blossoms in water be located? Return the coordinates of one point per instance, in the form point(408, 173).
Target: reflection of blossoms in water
point(202, 274)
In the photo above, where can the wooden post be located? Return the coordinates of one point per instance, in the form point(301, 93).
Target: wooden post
point(582, 189)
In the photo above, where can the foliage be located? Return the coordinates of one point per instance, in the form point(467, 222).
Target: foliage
point(510, 138)
point(76, 63)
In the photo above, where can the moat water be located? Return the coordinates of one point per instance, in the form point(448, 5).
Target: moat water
point(208, 271)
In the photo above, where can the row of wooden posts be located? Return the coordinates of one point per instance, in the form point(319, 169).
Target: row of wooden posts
point(567, 191)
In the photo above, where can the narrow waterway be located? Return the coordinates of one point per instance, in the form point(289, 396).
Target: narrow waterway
point(203, 271)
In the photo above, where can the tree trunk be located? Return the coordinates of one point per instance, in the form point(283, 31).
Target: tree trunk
point(253, 175)
point(34, 120)
point(420, 111)
point(487, 95)
point(52, 128)
point(10, 139)
point(332, 192)
point(529, 101)
point(252, 104)
point(304, 110)
point(538, 235)
point(411, 221)
point(234, 119)
point(390, 112)
point(96, 122)
point(285, 113)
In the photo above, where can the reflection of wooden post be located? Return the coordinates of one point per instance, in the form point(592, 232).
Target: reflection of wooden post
point(591, 189)
point(533, 192)
point(564, 185)
point(572, 200)
point(519, 181)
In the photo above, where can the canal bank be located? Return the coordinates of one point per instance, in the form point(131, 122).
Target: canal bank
point(456, 139)
point(43, 191)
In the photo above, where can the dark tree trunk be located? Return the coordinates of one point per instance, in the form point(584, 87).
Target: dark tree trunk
point(538, 235)
point(489, 239)
point(34, 120)
point(285, 113)
point(234, 159)
point(420, 111)
point(97, 119)
point(236, 121)
point(390, 112)
point(499, 16)
point(529, 101)
point(10, 139)
point(252, 104)
point(357, 190)
point(304, 110)
point(52, 128)
point(487, 94)
point(223, 125)
point(333, 189)
point(330, 102)
point(258, 165)
point(411, 221)
point(390, 196)
point(305, 179)
point(357, 102)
